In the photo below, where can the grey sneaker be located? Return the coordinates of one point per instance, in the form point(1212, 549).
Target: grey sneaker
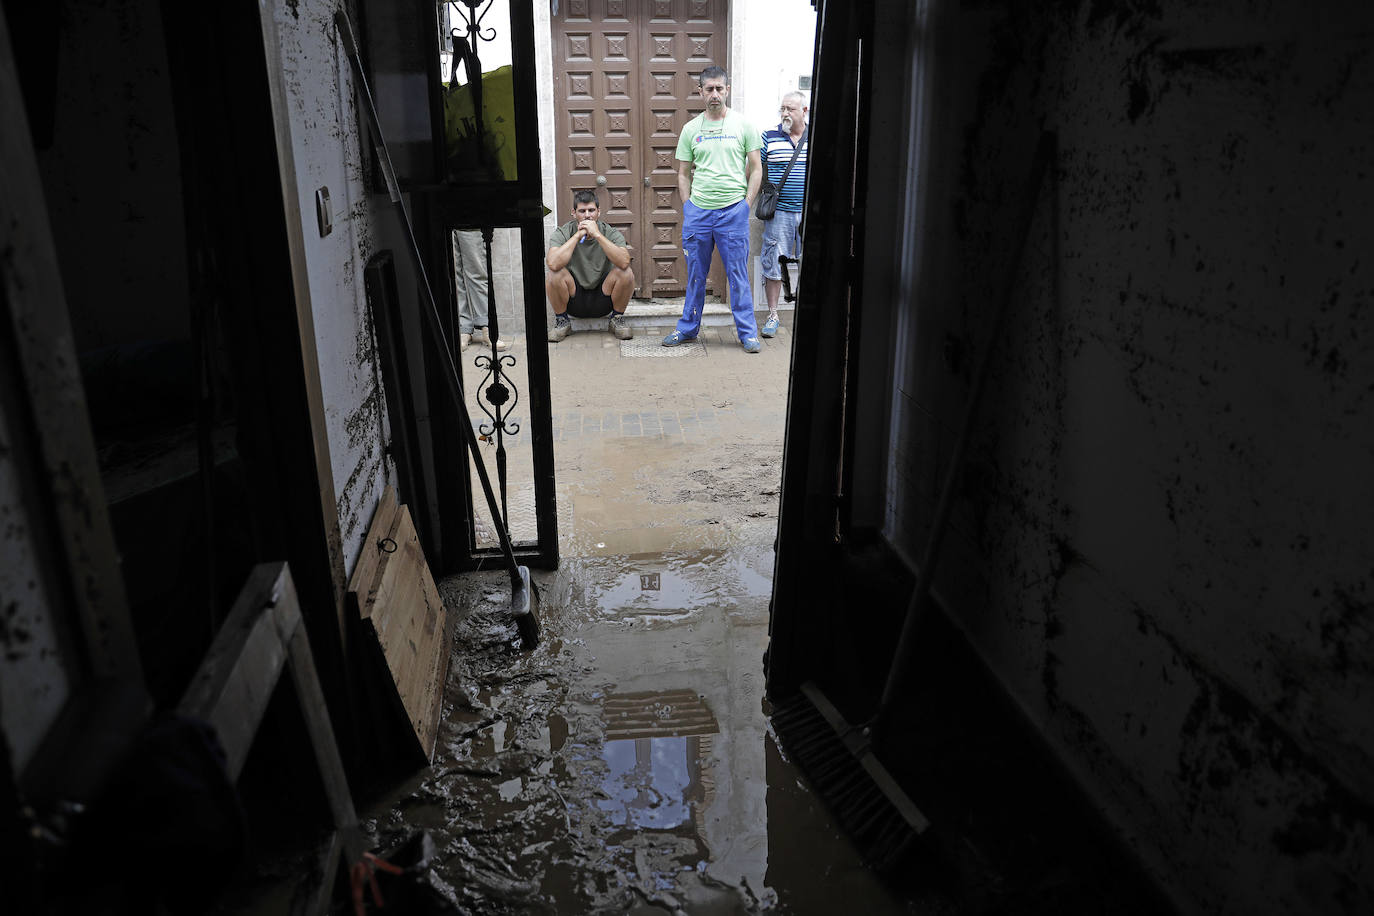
point(562, 326)
point(620, 327)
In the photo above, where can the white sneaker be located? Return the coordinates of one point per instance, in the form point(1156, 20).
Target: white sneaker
point(479, 336)
point(464, 340)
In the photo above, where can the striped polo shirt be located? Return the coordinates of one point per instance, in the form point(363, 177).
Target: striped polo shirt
point(777, 152)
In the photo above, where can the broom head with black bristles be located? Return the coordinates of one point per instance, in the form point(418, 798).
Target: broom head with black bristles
point(878, 816)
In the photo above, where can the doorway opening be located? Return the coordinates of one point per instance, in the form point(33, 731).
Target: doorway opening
point(641, 718)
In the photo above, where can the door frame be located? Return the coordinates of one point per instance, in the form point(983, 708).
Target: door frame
point(437, 211)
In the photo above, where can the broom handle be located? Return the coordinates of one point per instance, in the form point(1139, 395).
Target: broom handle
point(431, 315)
point(903, 660)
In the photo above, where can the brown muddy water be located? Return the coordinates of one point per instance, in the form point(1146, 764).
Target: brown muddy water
point(626, 765)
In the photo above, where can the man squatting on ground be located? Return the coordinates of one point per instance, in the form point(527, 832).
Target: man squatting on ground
point(780, 234)
point(718, 176)
point(589, 270)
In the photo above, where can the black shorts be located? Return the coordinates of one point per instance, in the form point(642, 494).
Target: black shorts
point(590, 303)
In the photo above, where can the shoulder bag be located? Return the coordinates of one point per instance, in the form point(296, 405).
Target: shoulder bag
point(767, 203)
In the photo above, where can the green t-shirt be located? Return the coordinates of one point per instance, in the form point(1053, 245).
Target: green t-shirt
point(589, 263)
point(719, 151)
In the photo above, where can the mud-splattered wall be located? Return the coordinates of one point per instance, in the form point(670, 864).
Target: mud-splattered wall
point(35, 675)
point(1162, 545)
point(326, 153)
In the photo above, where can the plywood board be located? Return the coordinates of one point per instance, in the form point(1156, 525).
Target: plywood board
point(365, 570)
point(399, 606)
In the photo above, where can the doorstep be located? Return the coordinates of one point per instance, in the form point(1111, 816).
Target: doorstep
point(642, 313)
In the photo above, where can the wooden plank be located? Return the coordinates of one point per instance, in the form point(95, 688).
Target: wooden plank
point(393, 743)
point(449, 625)
point(317, 723)
point(365, 568)
point(393, 747)
point(236, 679)
point(345, 847)
point(408, 617)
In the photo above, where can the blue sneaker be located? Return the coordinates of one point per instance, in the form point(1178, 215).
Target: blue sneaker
point(770, 327)
point(751, 345)
point(675, 338)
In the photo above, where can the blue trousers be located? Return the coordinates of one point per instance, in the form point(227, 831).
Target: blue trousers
point(702, 232)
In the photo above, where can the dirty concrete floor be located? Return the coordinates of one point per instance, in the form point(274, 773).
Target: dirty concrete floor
point(625, 765)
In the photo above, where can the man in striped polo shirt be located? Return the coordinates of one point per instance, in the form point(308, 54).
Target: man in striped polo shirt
point(781, 234)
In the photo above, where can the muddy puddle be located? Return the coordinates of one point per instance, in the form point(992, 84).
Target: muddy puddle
point(625, 765)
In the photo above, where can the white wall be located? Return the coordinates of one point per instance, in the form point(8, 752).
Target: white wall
point(772, 43)
point(326, 152)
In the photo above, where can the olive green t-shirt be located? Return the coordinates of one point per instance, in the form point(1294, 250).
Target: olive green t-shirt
point(589, 263)
point(718, 150)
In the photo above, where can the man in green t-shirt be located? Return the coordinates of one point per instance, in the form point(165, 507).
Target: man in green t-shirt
point(589, 270)
point(718, 177)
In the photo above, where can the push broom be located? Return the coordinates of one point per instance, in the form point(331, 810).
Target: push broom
point(524, 600)
point(841, 759)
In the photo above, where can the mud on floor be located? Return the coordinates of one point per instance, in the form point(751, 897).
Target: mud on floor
point(623, 766)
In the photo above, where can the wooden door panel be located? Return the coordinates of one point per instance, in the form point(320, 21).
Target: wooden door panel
point(679, 39)
point(625, 76)
point(619, 131)
point(666, 271)
point(596, 87)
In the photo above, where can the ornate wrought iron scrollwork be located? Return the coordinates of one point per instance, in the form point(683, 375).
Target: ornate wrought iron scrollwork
point(498, 390)
point(496, 387)
point(472, 19)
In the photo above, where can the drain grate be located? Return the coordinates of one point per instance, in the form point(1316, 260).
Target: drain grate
point(653, 349)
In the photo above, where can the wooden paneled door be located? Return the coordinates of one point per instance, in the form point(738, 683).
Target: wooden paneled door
point(625, 76)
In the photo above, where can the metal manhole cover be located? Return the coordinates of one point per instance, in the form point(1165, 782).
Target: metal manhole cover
point(654, 349)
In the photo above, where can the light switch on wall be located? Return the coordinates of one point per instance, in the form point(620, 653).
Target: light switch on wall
point(323, 212)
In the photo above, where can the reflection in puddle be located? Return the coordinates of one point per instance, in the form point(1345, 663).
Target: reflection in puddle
point(630, 769)
point(685, 585)
point(490, 741)
point(652, 783)
point(655, 745)
point(557, 732)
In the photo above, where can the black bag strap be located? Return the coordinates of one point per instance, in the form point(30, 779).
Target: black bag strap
point(793, 161)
